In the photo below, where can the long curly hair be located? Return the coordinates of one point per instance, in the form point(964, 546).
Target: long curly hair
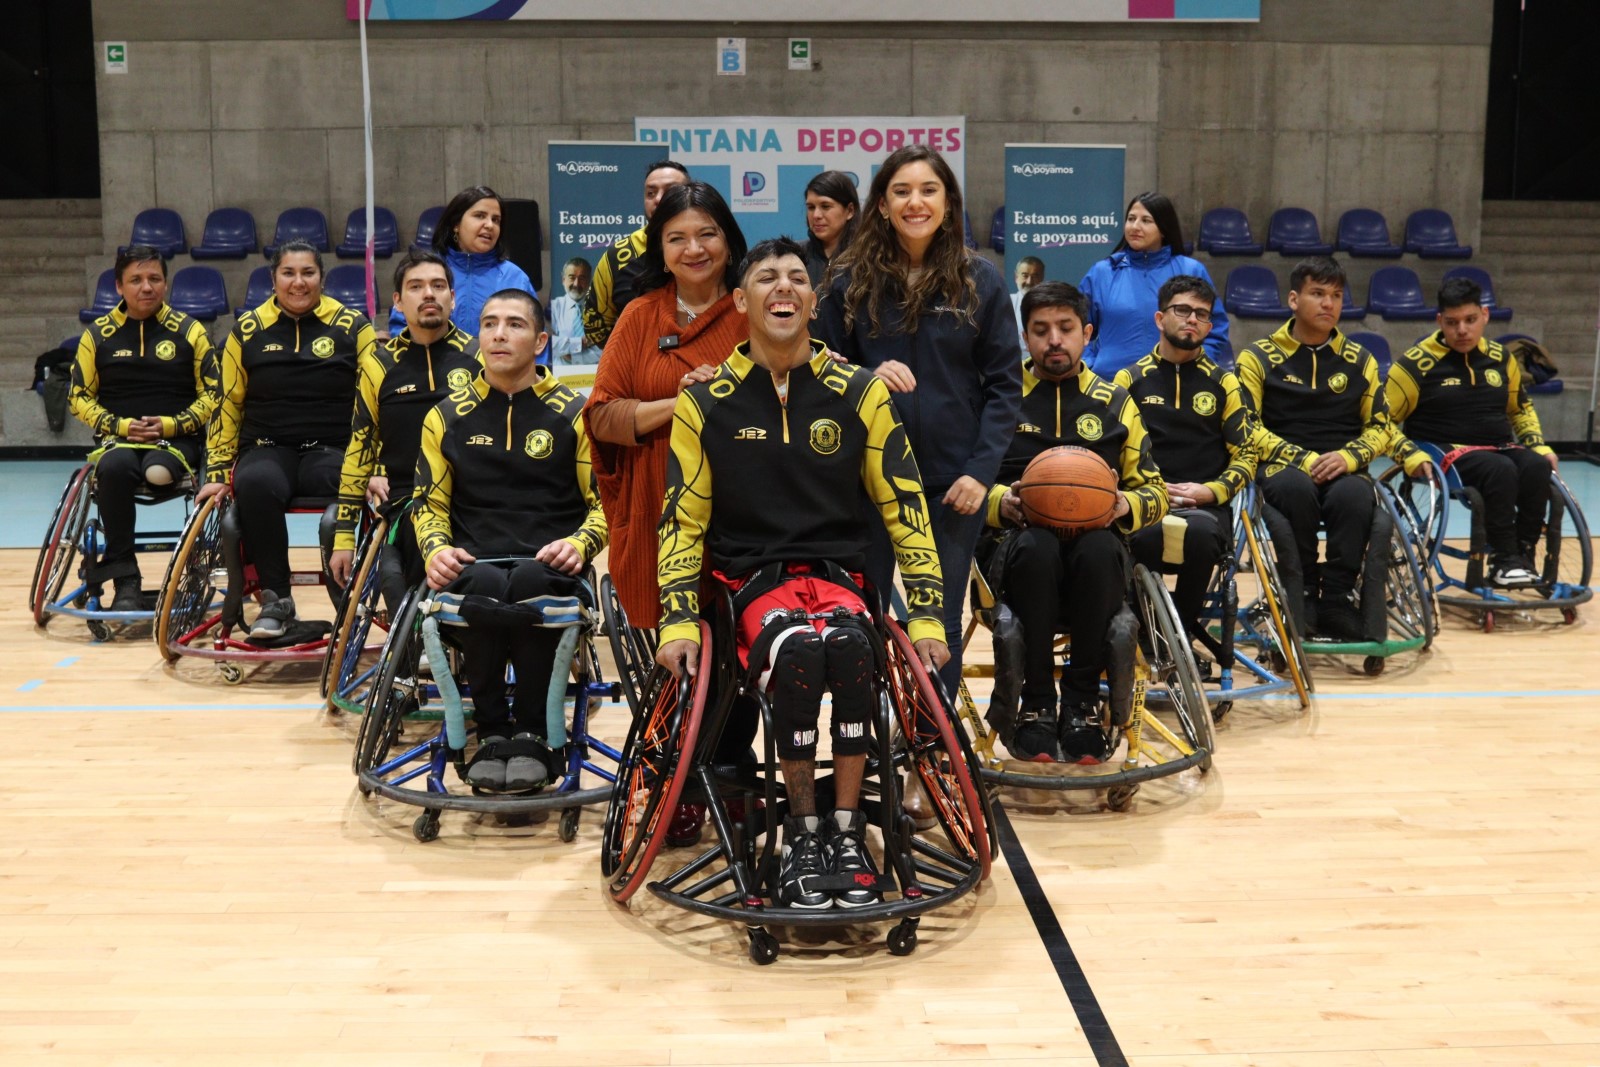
point(879, 270)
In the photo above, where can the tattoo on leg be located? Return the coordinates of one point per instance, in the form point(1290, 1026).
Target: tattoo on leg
point(800, 782)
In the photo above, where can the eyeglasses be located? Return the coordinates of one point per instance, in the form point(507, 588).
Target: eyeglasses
point(1184, 311)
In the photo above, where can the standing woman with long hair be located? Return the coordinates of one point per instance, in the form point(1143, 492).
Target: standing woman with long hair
point(471, 238)
point(1122, 289)
point(832, 206)
point(934, 321)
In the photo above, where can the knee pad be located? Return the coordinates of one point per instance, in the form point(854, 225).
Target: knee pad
point(850, 670)
point(797, 680)
point(158, 475)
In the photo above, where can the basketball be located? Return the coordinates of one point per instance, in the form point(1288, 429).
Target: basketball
point(1068, 489)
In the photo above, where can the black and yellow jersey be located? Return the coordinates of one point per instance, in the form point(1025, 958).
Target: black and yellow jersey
point(615, 281)
point(396, 386)
point(1087, 411)
point(1439, 395)
point(754, 479)
point(1201, 428)
point(506, 474)
point(130, 369)
point(287, 380)
point(1315, 399)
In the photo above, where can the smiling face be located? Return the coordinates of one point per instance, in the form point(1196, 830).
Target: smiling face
point(1139, 229)
point(425, 298)
point(575, 280)
point(1056, 339)
point(777, 297)
point(826, 218)
point(509, 338)
point(479, 229)
point(142, 287)
point(916, 205)
point(693, 248)
point(297, 282)
point(1028, 275)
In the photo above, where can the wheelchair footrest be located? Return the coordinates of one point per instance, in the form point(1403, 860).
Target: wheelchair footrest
point(300, 632)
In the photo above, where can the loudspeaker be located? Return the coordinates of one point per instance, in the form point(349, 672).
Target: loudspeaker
point(519, 229)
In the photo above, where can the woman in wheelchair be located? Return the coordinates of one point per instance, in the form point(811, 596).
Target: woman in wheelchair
point(144, 377)
point(769, 462)
point(507, 512)
point(1463, 393)
point(288, 381)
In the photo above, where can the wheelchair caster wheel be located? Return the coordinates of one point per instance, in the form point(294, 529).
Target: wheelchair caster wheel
point(763, 947)
point(1488, 622)
point(903, 938)
point(426, 828)
point(1220, 712)
point(1120, 797)
point(100, 631)
point(365, 791)
point(1569, 615)
point(567, 829)
point(231, 673)
point(1373, 666)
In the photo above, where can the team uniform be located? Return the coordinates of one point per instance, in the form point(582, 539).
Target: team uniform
point(1201, 430)
point(128, 369)
point(1312, 400)
point(504, 475)
point(397, 384)
point(1475, 408)
point(615, 283)
point(1081, 580)
point(283, 420)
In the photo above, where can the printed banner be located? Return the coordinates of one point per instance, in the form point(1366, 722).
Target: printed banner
point(762, 164)
point(817, 11)
point(1063, 206)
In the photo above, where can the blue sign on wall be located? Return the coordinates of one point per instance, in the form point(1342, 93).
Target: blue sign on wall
point(1063, 205)
point(596, 196)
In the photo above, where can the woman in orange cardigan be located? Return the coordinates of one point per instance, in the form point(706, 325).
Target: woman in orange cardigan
point(678, 330)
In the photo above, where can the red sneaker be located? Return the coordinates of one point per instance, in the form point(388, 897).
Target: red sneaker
point(684, 829)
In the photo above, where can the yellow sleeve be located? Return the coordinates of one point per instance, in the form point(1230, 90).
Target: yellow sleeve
point(1269, 447)
point(1524, 420)
point(361, 453)
point(593, 534)
point(1375, 438)
point(991, 505)
point(685, 516)
point(222, 441)
point(889, 473)
point(1140, 479)
point(84, 398)
point(1400, 393)
point(1239, 434)
point(599, 306)
point(430, 514)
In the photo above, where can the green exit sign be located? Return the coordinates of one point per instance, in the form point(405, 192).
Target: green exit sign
point(116, 57)
point(800, 53)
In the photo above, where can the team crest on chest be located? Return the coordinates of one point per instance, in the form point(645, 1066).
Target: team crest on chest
point(458, 379)
point(1491, 376)
point(825, 437)
point(540, 443)
point(1338, 382)
point(1089, 427)
point(322, 347)
point(165, 350)
point(1204, 404)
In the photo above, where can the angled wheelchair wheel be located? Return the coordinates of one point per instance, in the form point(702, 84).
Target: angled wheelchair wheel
point(186, 590)
point(1286, 629)
point(1171, 661)
point(1566, 555)
point(360, 607)
point(395, 691)
point(63, 540)
point(633, 649)
point(655, 764)
point(1408, 587)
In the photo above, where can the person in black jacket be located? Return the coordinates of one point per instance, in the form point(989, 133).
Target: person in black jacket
point(933, 320)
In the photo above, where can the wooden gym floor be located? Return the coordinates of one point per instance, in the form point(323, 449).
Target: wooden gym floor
point(1408, 874)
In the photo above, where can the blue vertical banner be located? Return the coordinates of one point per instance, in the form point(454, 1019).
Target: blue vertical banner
point(596, 196)
point(1063, 206)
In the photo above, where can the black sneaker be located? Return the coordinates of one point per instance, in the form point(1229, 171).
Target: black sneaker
point(847, 855)
point(276, 615)
point(1338, 619)
point(803, 861)
point(526, 771)
point(1512, 572)
point(486, 771)
point(1082, 739)
point(129, 594)
point(1035, 739)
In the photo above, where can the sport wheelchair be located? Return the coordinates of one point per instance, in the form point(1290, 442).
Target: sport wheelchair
point(416, 714)
point(1564, 555)
point(350, 663)
point(75, 536)
point(1154, 704)
point(633, 648)
point(668, 759)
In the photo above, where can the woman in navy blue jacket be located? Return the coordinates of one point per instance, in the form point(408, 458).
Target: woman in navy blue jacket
point(1122, 289)
point(469, 238)
point(934, 321)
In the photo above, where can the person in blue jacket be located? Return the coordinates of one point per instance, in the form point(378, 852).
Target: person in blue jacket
point(907, 299)
point(469, 237)
point(1122, 289)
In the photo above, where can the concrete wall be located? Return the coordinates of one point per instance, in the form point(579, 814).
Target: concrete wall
point(258, 105)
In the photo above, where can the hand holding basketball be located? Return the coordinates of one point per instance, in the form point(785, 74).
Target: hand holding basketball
point(1068, 489)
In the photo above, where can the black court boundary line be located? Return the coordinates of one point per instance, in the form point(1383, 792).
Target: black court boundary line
point(1096, 1030)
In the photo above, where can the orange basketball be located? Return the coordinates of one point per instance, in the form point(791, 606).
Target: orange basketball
point(1068, 489)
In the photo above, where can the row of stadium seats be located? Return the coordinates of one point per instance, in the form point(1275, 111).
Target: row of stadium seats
point(201, 291)
point(1252, 292)
point(231, 232)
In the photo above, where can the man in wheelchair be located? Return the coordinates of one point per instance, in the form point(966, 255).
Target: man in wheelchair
point(1465, 394)
point(1319, 397)
point(144, 376)
point(1044, 578)
point(507, 512)
point(770, 460)
point(1202, 436)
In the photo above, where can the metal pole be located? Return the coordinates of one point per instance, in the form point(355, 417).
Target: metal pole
point(366, 114)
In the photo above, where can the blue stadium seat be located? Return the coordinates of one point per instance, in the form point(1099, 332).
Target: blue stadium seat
point(230, 234)
point(427, 222)
point(1252, 293)
point(386, 236)
point(972, 238)
point(199, 291)
point(162, 229)
point(1480, 277)
point(1431, 234)
point(1375, 343)
point(347, 283)
point(1396, 294)
point(256, 290)
point(997, 230)
point(1351, 309)
point(300, 223)
point(70, 344)
point(1293, 231)
point(1364, 232)
point(1225, 231)
point(105, 297)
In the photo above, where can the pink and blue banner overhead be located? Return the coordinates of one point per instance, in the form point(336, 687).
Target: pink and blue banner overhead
point(816, 10)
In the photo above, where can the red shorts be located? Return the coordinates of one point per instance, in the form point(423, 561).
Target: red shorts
point(815, 596)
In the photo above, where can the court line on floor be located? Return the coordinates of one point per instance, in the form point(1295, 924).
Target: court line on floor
point(83, 708)
point(1096, 1030)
